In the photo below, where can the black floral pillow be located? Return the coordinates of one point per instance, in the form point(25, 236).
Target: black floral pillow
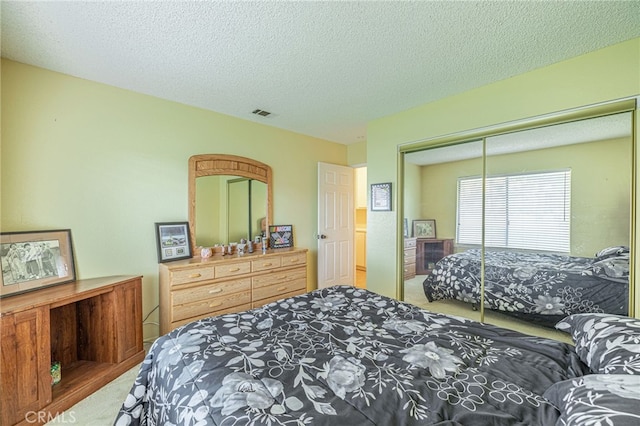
point(597, 399)
point(612, 252)
point(612, 268)
point(606, 343)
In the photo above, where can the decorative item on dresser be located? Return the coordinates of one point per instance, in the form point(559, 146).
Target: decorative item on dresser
point(89, 330)
point(409, 258)
point(199, 288)
point(429, 251)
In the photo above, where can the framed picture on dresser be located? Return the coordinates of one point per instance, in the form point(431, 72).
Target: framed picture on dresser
point(173, 241)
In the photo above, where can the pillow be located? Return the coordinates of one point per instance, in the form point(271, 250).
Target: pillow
point(606, 343)
point(597, 399)
point(612, 268)
point(611, 251)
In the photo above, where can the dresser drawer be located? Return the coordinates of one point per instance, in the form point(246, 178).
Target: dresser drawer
point(192, 275)
point(409, 258)
point(210, 306)
point(278, 277)
point(237, 268)
point(262, 302)
point(294, 259)
point(238, 308)
point(278, 289)
point(410, 243)
point(266, 263)
point(410, 269)
point(190, 295)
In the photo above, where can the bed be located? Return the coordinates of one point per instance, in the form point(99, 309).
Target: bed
point(538, 287)
point(347, 356)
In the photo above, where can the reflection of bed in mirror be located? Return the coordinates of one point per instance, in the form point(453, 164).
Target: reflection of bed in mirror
point(539, 287)
point(559, 188)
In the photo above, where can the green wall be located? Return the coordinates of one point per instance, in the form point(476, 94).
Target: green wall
point(600, 189)
point(603, 75)
point(108, 163)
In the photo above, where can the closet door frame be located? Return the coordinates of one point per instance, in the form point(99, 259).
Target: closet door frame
point(475, 135)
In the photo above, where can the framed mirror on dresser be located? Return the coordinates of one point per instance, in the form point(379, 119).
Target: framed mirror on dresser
point(223, 188)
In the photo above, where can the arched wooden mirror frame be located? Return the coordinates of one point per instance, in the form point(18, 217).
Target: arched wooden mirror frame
point(222, 164)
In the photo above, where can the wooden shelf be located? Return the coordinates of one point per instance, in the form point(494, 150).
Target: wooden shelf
point(93, 328)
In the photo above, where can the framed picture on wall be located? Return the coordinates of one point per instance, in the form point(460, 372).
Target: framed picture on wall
point(280, 236)
point(424, 228)
point(35, 259)
point(381, 196)
point(406, 228)
point(173, 241)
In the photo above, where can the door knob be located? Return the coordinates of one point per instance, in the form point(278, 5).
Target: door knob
point(322, 237)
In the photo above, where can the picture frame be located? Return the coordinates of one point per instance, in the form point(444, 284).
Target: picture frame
point(406, 228)
point(381, 196)
point(280, 236)
point(32, 260)
point(173, 241)
point(424, 228)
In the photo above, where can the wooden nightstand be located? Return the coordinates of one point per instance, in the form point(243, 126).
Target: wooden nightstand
point(429, 251)
point(409, 258)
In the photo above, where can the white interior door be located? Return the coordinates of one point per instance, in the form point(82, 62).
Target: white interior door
point(336, 229)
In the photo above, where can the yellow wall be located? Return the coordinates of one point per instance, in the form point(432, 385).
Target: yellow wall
point(599, 76)
point(600, 188)
point(108, 163)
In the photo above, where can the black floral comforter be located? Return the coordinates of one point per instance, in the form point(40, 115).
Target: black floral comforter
point(535, 286)
point(346, 356)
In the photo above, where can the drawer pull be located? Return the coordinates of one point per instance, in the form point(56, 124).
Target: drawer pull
point(293, 260)
point(267, 264)
point(282, 277)
point(234, 270)
point(215, 290)
point(283, 288)
point(215, 304)
point(196, 275)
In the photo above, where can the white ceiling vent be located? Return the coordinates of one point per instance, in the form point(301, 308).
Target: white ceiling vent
point(261, 112)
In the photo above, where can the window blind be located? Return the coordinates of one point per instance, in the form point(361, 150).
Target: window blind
point(524, 211)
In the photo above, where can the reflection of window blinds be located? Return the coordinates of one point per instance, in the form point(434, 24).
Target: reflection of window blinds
point(529, 211)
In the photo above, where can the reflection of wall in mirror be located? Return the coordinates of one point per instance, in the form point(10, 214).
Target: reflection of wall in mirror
point(208, 196)
point(601, 179)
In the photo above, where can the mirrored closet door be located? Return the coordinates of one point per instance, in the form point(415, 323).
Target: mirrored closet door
point(537, 222)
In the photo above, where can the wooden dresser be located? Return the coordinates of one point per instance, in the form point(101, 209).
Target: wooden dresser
point(409, 258)
point(93, 328)
point(198, 288)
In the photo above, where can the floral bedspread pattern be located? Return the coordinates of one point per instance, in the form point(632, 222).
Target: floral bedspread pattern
point(346, 356)
point(535, 286)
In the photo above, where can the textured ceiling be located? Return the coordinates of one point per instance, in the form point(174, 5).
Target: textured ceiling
point(322, 68)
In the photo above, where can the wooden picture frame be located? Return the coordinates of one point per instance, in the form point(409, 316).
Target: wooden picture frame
point(35, 259)
point(280, 236)
point(424, 228)
point(381, 196)
point(173, 241)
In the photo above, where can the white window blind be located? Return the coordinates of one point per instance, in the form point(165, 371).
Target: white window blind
point(525, 211)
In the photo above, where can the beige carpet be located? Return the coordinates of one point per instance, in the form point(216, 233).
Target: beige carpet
point(101, 407)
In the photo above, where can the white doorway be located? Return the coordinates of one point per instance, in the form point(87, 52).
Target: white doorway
point(336, 229)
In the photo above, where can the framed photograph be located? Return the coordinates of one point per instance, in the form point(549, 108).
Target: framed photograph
point(173, 240)
point(424, 228)
point(406, 228)
point(280, 236)
point(35, 259)
point(381, 196)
